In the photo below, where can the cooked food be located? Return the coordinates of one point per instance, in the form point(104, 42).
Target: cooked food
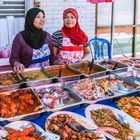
point(127, 62)
point(116, 84)
point(105, 118)
point(107, 64)
point(87, 70)
point(18, 103)
point(56, 96)
point(130, 105)
point(136, 65)
point(89, 89)
point(61, 72)
point(33, 75)
point(59, 125)
point(26, 134)
point(8, 79)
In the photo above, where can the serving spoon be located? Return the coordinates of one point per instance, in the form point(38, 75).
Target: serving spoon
point(122, 120)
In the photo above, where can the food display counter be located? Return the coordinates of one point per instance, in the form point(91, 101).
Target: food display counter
point(56, 97)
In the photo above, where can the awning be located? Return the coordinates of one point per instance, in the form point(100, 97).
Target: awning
point(98, 1)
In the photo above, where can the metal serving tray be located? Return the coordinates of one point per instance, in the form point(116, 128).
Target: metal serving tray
point(131, 76)
point(35, 74)
point(111, 64)
point(117, 85)
point(9, 81)
point(25, 116)
point(63, 73)
point(127, 62)
point(55, 92)
point(83, 68)
point(23, 82)
point(89, 101)
point(42, 82)
point(40, 77)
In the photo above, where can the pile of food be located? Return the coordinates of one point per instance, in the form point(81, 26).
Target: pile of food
point(130, 105)
point(55, 96)
point(61, 72)
point(26, 134)
point(8, 79)
point(116, 84)
point(18, 102)
point(59, 125)
point(127, 62)
point(107, 64)
point(136, 66)
point(89, 89)
point(105, 118)
point(87, 70)
point(33, 75)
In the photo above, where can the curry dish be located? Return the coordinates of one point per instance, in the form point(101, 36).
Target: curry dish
point(18, 103)
point(61, 72)
point(33, 75)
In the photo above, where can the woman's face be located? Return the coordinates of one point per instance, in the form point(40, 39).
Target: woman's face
point(69, 20)
point(39, 20)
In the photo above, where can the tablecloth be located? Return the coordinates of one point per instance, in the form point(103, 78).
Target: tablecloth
point(81, 110)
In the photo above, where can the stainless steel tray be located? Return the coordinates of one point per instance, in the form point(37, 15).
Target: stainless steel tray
point(35, 74)
point(43, 78)
point(42, 82)
point(63, 73)
point(10, 81)
point(60, 94)
point(110, 64)
point(127, 62)
point(25, 82)
point(25, 116)
point(117, 85)
point(83, 68)
point(89, 101)
point(131, 76)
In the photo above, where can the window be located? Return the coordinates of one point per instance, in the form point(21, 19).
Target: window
point(123, 20)
point(14, 8)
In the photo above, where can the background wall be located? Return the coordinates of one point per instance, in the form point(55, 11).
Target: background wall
point(54, 11)
point(11, 25)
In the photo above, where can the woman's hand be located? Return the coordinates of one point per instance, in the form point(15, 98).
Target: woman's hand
point(18, 67)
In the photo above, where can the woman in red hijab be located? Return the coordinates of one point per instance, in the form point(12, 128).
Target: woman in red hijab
point(70, 42)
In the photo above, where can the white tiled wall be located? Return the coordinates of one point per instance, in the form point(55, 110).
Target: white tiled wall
point(54, 11)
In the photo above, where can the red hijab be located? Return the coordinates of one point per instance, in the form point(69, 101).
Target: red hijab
point(76, 35)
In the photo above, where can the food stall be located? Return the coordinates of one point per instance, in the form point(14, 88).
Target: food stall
point(55, 101)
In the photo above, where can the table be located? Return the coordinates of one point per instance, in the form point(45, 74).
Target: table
point(81, 110)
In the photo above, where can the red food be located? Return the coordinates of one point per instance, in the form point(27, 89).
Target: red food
point(135, 111)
